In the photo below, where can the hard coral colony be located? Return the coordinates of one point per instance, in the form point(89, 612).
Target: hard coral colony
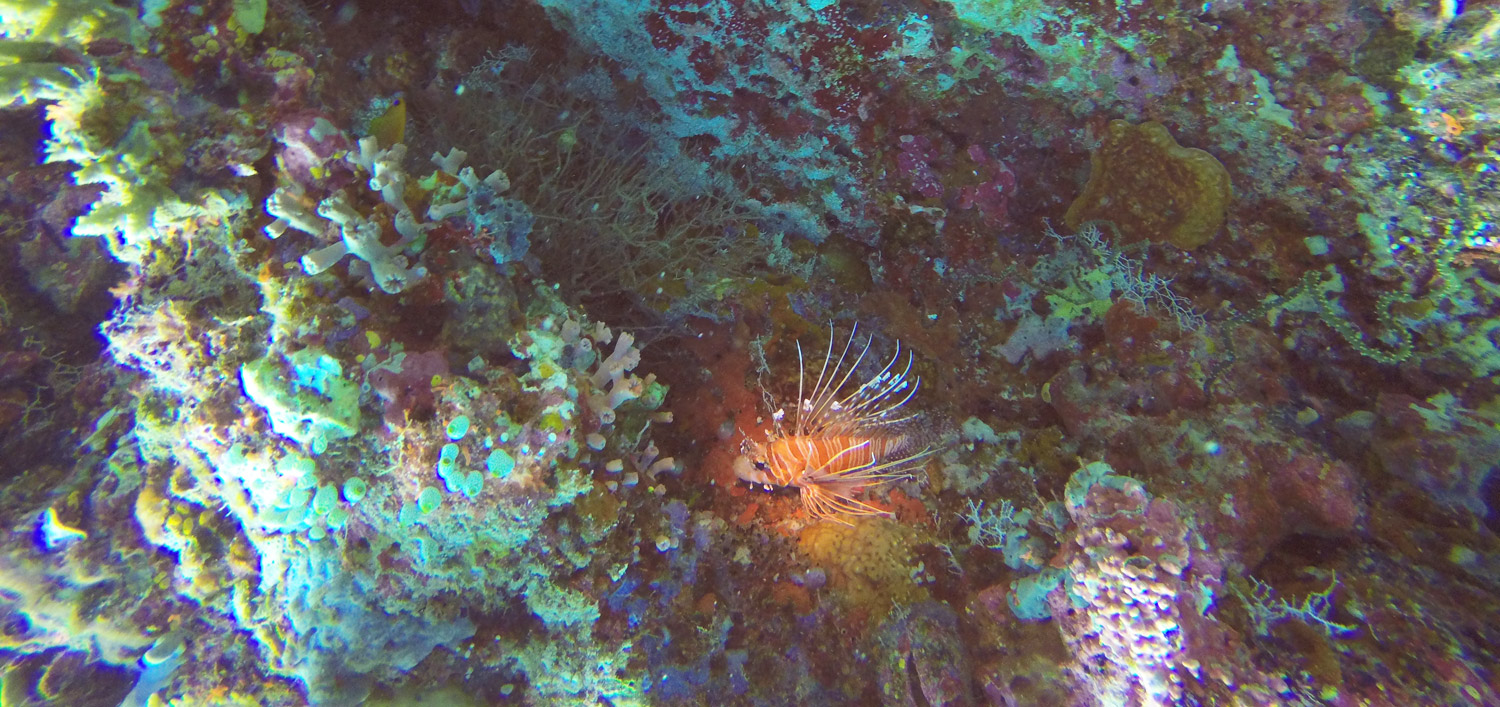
point(390, 353)
point(842, 444)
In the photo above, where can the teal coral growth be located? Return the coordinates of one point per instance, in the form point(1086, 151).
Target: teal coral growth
point(491, 353)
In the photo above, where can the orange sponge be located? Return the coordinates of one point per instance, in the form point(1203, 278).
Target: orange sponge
point(1152, 188)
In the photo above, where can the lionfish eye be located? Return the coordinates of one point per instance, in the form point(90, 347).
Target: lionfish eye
point(761, 466)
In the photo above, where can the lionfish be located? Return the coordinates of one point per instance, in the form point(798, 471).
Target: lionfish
point(841, 444)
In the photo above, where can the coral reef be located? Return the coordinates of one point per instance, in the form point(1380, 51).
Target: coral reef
point(385, 354)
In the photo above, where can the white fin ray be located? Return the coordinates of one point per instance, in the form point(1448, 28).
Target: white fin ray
point(812, 414)
point(875, 472)
point(869, 406)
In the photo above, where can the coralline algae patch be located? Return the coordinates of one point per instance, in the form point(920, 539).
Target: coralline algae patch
point(724, 407)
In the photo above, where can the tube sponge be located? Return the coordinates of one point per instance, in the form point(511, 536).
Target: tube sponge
point(360, 235)
point(323, 258)
point(285, 205)
point(624, 358)
point(361, 238)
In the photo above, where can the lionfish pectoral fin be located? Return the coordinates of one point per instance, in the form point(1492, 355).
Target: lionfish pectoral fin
point(833, 500)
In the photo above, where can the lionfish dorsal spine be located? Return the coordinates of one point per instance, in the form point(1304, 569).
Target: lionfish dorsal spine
point(817, 407)
point(870, 404)
point(817, 411)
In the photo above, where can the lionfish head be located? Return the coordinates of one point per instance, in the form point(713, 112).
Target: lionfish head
point(751, 464)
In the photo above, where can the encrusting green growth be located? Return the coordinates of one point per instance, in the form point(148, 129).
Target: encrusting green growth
point(354, 490)
point(68, 22)
point(27, 77)
point(315, 405)
point(31, 32)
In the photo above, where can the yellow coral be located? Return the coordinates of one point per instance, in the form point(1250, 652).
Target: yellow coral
point(869, 561)
point(1150, 187)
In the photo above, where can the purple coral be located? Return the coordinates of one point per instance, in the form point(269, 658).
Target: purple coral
point(309, 146)
point(991, 194)
point(1126, 564)
point(976, 180)
point(1131, 612)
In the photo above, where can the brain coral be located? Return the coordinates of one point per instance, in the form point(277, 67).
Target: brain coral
point(1152, 188)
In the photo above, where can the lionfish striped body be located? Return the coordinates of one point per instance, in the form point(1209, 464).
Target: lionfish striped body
point(841, 443)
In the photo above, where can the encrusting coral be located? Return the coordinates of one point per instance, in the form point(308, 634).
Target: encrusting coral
point(1152, 188)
